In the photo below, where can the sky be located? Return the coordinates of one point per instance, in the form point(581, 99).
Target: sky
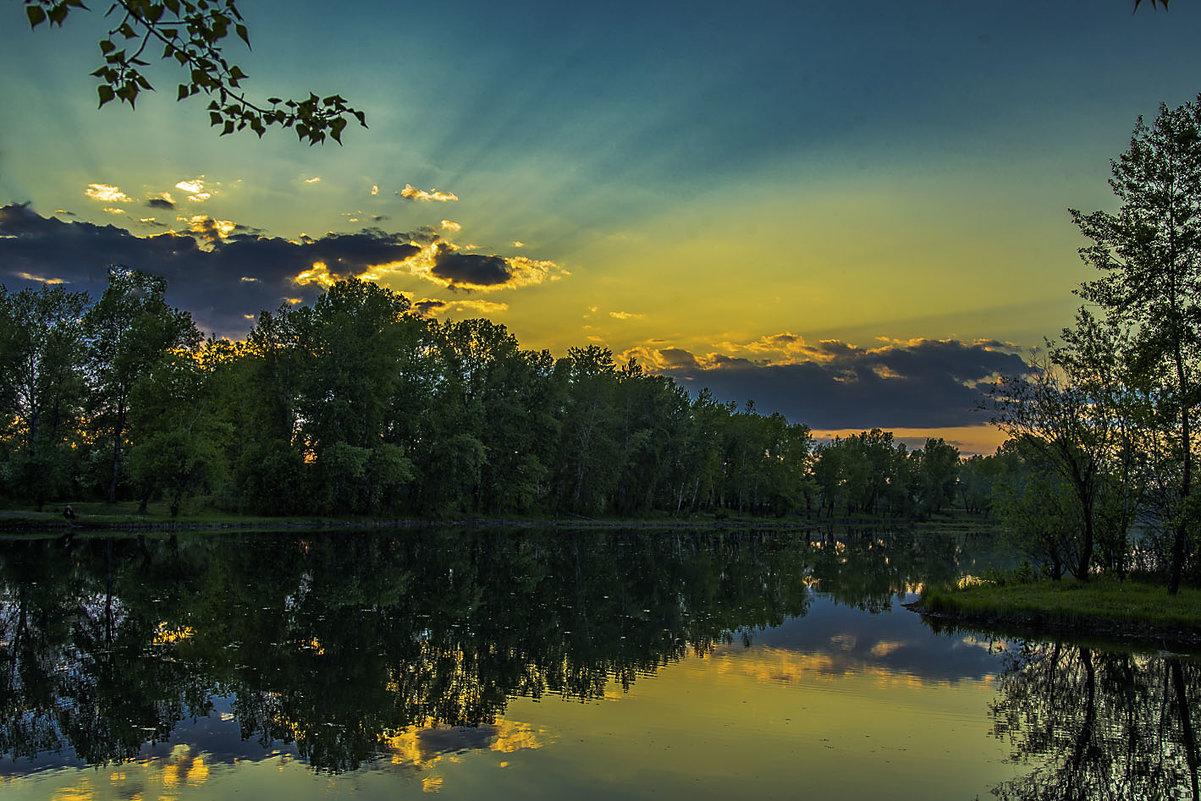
point(854, 214)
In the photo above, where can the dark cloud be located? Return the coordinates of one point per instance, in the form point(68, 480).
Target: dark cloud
point(466, 270)
point(678, 358)
point(160, 203)
point(923, 384)
point(206, 281)
point(429, 306)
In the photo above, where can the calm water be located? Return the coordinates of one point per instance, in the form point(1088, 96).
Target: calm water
point(548, 665)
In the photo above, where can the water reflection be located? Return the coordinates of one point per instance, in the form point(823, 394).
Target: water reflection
point(337, 642)
point(1099, 724)
point(407, 650)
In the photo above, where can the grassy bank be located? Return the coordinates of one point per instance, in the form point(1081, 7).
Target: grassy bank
point(1103, 607)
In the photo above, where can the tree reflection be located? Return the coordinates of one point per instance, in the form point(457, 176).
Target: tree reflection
point(1099, 725)
point(336, 642)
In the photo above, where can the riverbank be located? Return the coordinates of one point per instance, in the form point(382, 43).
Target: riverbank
point(124, 517)
point(1129, 611)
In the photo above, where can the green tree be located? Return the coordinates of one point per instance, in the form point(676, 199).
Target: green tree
point(1074, 407)
point(589, 467)
point(1150, 257)
point(192, 34)
point(41, 385)
point(937, 469)
point(129, 330)
point(1037, 506)
point(176, 431)
point(349, 346)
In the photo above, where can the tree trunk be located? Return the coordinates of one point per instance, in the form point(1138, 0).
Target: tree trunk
point(1186, 722)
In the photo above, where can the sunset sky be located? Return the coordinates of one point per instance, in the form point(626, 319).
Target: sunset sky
point(851, 213)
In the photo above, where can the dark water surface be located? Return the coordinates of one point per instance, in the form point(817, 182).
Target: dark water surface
point(505, 664)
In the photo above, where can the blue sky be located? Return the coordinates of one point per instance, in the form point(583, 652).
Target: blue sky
point(758, 187)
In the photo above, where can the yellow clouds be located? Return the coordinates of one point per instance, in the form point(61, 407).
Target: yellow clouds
point(161, 200)
point(621, 315)
point(210, 230)
point(316, 179)
point(450, 225)
point(39, 279)
point(444, 264)
point(410, 192)
point(433, 307)
point(319, 274)
point(106, 194)
point(195, 189)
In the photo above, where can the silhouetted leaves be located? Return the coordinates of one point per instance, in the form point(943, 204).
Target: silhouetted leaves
point(191, 34)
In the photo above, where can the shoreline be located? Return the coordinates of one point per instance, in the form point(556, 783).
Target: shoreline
point(1127, 613)
point(23, 522)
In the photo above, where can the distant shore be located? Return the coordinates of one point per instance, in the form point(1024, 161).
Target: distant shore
point(1104, 608)
point(123, 517)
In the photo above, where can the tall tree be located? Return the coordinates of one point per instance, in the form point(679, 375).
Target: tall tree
point(128, 331)
point(1150, 257)
point(41, 382)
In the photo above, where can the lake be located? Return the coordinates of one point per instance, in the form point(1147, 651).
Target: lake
point(541, 664)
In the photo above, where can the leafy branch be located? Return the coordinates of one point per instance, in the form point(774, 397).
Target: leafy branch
point(192, 33)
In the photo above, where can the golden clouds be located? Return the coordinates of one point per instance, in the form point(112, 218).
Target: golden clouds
point(319, 274)
point(433, 307)
point(316, 179)
point(446, 265)
point(39, 279)
point(621, 315)
point(411, 192)
point(209, 229)
point(450, 225)
point(195, 189)
point(106, 194)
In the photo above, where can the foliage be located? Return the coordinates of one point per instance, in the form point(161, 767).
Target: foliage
point(1149, 254)
point(129, 330)
point(192, 34)
point(41, 387)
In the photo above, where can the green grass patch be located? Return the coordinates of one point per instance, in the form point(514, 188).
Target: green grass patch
point(1103, 606)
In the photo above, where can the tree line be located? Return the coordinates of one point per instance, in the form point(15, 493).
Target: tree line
point(357, 405)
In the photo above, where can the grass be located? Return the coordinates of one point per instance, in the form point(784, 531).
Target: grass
point(1103, 606)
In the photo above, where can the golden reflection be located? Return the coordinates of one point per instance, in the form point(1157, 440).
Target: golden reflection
point(80, 792)
point(773, 665)
point(884, 648)
point(168, 636)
